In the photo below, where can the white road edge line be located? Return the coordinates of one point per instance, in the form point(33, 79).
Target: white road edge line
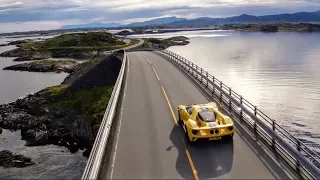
point(120, 121)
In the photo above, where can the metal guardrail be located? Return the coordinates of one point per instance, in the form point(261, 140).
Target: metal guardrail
point(302, 160)
point(98, 150)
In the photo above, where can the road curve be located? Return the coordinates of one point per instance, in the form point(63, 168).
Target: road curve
point(149, 145)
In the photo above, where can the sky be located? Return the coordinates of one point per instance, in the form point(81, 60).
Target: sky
point(26, 15)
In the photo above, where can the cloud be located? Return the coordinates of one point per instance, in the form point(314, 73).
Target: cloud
point(19, 12)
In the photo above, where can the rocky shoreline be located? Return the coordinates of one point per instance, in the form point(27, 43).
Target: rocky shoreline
point(8, 159)
point(45, 66)
point(283, 27)
point(165, 43)
point(61, 115)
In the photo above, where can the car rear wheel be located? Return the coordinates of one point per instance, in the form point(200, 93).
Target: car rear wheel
point(179, 119)
point(187, 136)
point(228, 137)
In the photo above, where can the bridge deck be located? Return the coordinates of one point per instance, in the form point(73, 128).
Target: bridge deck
point(148, 144)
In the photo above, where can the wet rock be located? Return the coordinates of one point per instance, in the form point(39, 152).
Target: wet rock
point(28, 134)
point(59, 114)
point(73, 148)
point(44, 66)
point(8, 159)
point(86, 153)
point(40, 138)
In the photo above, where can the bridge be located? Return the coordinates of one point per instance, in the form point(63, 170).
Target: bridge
point(140, 138)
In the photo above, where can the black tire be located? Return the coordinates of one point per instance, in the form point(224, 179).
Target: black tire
point(228, 137)
point(187, 136)
point(179, 119)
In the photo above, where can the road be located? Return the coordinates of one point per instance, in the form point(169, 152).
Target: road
point(129, 47)
point(149, 145)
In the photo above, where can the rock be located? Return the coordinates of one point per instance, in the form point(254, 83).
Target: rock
point(28, 134)
point(36, 138)
point(86, 153)
point(0, 130)
point(269, 28)
point(73, 148)
point(44, 66)
point(8, 159)
point(59, 114)
point(26, 58)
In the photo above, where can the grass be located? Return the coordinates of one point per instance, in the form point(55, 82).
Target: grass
point(56, 90)
point(90, 103)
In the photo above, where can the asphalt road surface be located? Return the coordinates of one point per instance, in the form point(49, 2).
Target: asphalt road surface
point(148, 144)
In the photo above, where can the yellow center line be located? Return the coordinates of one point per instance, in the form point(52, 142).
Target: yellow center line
point(169, 104)
point(156, 73)
point(194, 171)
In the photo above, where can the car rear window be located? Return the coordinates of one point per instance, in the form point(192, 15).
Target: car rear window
point(207, 116)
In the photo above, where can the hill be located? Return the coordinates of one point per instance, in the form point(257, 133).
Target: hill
point(157, 21)
point(306, 17)
point(76, 45)
point(91, 25)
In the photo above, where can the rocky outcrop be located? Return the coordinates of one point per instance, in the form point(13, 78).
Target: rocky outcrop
point(41, 125)
point(8, 159)
point(165, 43)
point(25, 55)
point(41, 122)
point(296, 27)
point(45, 66)
point(269, 28)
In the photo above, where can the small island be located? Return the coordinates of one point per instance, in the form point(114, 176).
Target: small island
point(75, 45)
point(165, 43)
point(45, 66)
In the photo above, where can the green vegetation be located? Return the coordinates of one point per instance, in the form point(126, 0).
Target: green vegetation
point(77, 40)
point(90, 103)
point(56, 90)
point(74, 45)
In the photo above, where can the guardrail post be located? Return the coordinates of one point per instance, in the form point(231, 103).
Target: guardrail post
point(298, 146)
point(213, 79)
point(255, 127)
point(213, 91)
point(273, 140)
point(255, 110)
point(240, 99)
point(230, 104)
point(230, 91)
point(298, 167)
point(221, 85)
point(220, 98)
point(241, 115)
point(201, 76)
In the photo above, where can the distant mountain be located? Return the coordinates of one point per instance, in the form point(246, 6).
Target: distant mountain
point(245, 18)
point(91, 25)
point(158, 21)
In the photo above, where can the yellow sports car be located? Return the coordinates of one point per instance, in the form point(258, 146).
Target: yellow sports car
point(205, 121)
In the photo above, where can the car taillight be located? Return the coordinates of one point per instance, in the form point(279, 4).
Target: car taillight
point(230, 128)
point(194, 132)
